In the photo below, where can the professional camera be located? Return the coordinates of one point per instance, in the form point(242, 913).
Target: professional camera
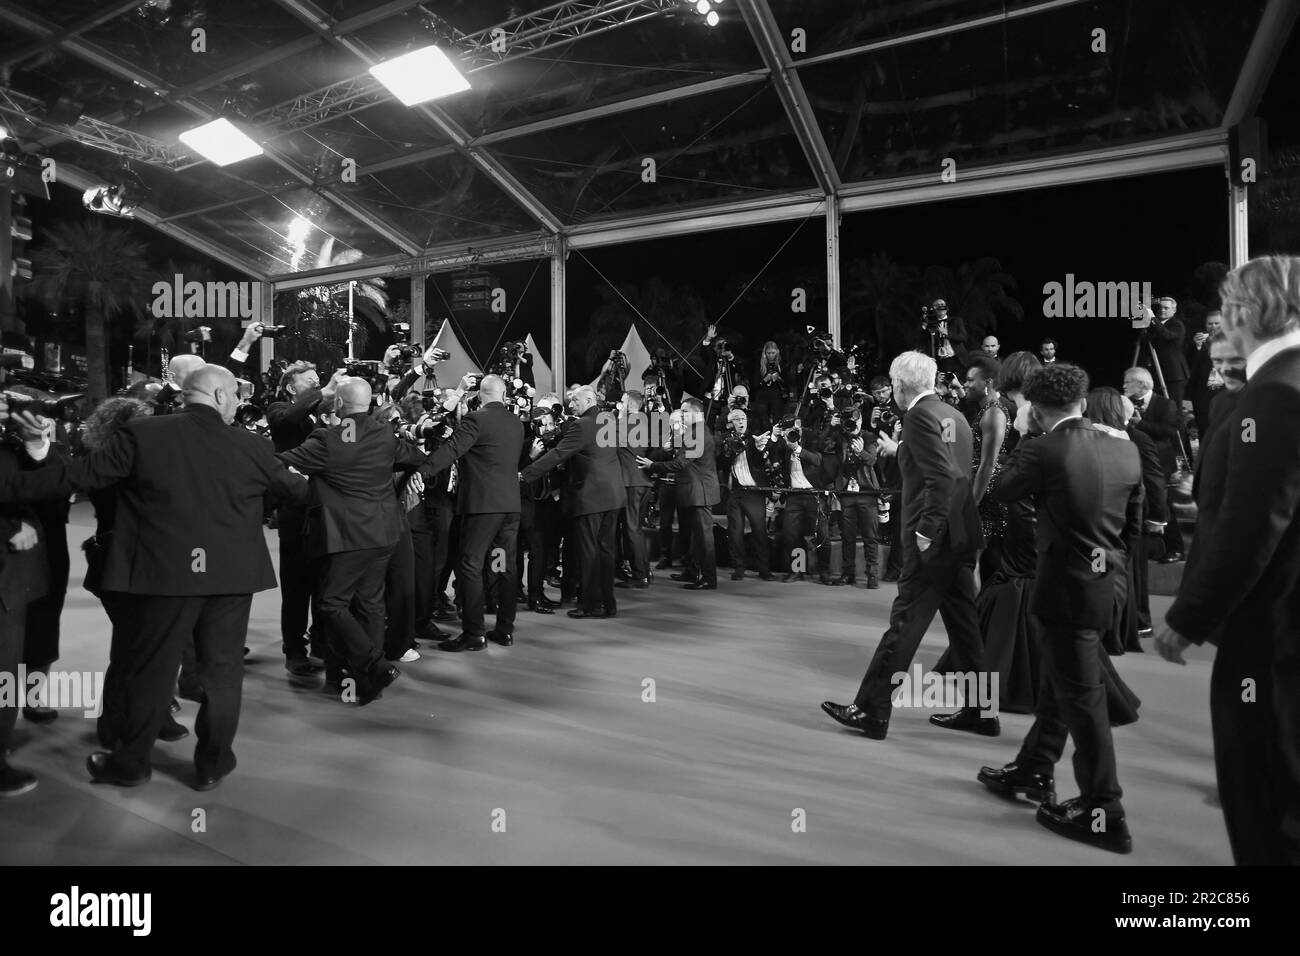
point(739, 401)
point(61, 409)
point(248, 415)
point(930, 319)
point(274, 331)
point(508, 360)
point(789, 431)
point(662, 362)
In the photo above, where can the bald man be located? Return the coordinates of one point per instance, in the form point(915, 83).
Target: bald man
point(180, 367)
point(1159, 418)
point(187, 553)
point(353, 525)
point(489, 444)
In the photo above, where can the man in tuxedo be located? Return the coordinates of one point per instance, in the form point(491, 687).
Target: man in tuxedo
point(1241, 587)
point(636, 484)
point(1201, 384)
point(595, 494)
point(1167, 336)
point(291, 419)
point(187, 546)
point(23, 579)
point(1159, 417)
point(941, 536)
point(488, 445)
point(351, 526)
point(694, 464)
point(1047, 351)
point(746, 470)
point(1087, 488)
point(1154, 513)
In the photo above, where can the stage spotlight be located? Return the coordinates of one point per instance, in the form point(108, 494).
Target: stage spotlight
point(220, 142)
point(703, 7)
point(712, 18)
point(299, 230)
point(110, 201)
point(421, 75)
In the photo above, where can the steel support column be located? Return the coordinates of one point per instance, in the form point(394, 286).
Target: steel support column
point(833, 268)
point(558, 269)
point(417, 308)
point(1238, 224)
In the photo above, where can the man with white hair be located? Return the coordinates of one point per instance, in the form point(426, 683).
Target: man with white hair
point(941, 536)
point(595, 495)
point(1159, 417)
point(1241, 586)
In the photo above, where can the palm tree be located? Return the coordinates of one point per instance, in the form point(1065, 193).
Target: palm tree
point(369, 296)
point(98, 270)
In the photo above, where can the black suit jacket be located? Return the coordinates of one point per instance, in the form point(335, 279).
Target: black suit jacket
point(1087, 489)
point(595, 477)
point(1155, 505)
point(24, 575)
point(1242, 579)
point(756, 460)
point(1167, 341)
point(934, 461)
point(189, 506)
point(1198, 388)
point(489, 444)
point(695, 469)
point(1162, 421)
point(291, 422)
point(352, 506)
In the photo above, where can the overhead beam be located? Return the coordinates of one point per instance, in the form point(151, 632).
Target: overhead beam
point(1266, 48)
point(491, 167)
point(80, 180)
point(76, 29)
point(116, 66)
point(771, 46)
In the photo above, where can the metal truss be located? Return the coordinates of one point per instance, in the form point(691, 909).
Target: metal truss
point(89, 131)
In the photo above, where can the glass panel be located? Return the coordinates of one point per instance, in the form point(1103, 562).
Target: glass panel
point(377, 134)
point(158, 38)
point(443, 199)
point(1033, 86)
point(729, 145)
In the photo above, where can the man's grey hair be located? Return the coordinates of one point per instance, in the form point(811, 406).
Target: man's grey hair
point(1263, 295)
point(1142, 375)
point(915, 371)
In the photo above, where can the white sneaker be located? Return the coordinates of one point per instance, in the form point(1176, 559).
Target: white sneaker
point(409, 656)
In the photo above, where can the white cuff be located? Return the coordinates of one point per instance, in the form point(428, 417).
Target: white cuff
point(239, 355)
point(37, 451)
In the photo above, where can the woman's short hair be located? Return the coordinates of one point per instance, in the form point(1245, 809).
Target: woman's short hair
point(1106, 407)
point(988, 366)
point(110, 415)
point(1015, 369)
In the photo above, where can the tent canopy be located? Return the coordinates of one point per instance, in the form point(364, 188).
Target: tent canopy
point(598, 122)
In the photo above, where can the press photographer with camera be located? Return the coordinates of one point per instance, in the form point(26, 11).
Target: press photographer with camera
point(722, 370)
point(539, 517)
point(741, 455)
point(946, 337)
point(429, 424)
point(407, 364)
point(611, 381)
point(1167, 335)
point(637, 485)
point(857, 488)
point(805, 471)
point(885, 421)
point(770, 387)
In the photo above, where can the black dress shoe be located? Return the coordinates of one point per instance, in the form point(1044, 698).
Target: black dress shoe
point(1076, 820)
point(41, 715)
point(637, 583)
point(172, 731)
point(464, 642)
point(301, 667)
point(968, 719)
point(766, 576)
point(375, 683)
point(190, 691)
point(431, 632)
point(445, 614)
point(623, 573)
point(15, 782)
point(1173, 557)
point(1013, 781)
point(539, 608)
point(846, 580)
point(102, 770)
point(205, 782)
point(580, 612)
point(682, 576)
point(792, 576)
point(701, 586)
point(505, 640)
point(737, 575)
point(855, 719)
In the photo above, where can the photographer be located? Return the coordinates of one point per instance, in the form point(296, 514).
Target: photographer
point(770, 389)
point(721, 367)
point(539, 516)
point(422, 364)
point(291, 419)
point(637, 485)
point(1167, 335)
point(610, 383)
point(804, 470)
point(857, 488)
point(946, 336)
point(746, 470)
point(514, 361)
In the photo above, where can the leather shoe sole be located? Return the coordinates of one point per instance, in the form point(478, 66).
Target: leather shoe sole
point(1005, 786)
point(872, 727)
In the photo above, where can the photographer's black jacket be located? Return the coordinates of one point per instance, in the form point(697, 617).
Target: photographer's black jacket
point(489, 446)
